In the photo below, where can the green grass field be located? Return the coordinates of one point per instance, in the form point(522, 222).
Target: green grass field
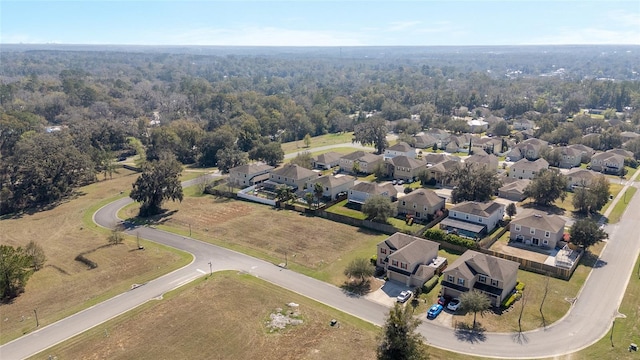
point(317, 141)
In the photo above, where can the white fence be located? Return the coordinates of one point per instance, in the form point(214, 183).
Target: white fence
point(247, 194)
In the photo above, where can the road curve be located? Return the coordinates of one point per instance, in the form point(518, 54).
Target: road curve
point(587, 321)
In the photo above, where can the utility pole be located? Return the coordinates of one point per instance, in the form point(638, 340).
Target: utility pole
point(189, 230)
point(285, 259)
point(37, 322)
point(210, 268)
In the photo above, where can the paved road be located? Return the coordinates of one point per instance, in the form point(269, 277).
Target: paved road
point(588, 320)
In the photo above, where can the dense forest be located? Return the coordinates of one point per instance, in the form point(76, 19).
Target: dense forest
point(68, 112)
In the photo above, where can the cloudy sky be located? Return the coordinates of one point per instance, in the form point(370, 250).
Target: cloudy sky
point(321, 23)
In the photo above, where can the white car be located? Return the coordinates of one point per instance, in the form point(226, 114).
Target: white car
point(454, 304)
point(404, 296)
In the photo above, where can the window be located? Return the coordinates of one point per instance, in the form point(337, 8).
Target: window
point(394, 262)
point(479, 219)
point(404, 203)
point(494, 282)
point(450, 278)
point(466, 217)
point(461, 281)
point(403, 266)
point(482, 279)
point(455, 214)
point(532, 231)
point(545, 242)
point(547, 234)
point(383, 251)
point(517, 227)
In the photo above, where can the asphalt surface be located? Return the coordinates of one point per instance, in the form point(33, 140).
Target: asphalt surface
point(588, 320)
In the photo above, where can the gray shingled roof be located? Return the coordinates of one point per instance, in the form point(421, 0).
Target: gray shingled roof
point(375, 189)
point(327, 158)
point(414, 251)
point(552, 223)
point(524, 164)
point(401, 146)
point(423, 197)
point(293, 171)
point(477, 208)
point(472, 262)
point(406, 162)
point(332, 181)
point(251, 168)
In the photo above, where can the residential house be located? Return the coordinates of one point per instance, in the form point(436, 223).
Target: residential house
point(579, 177)
point(607, 162)
point(585, 152)
point(293, 175)
point(527, 169)
point(332, 185)
point(248, 175)
point(477, 125)
point(513, 189)
point(436, 158)
point(622, 152)
point(529, 149)
point(326, 161)
point(487, 161)
point(421, 204)
point(425, 141)
point(492, 276)
point(523, 124)
point(628, 135)
point(537, 229)
point(400, 149)
point(568, 157)
point(366, 162)
point(405, 168)
point(439, 171)
point(409, 260)
point(490, 145)
point(360, 192)
point(473, 219)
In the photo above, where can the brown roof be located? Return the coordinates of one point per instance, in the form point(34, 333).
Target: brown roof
point(401, 146)
point(472, 262)
point(581, 174)
point(415, 250)
point(399, 240)
point(332, 181)
point(328, 157)
point(375, 189)
point(423, 197)
point(477, 208)
point(479, 158)
point(537, 165)
point(293, 171)
point(354, 155)
point(407, 162)
point(517, 186)
point(251, 168)
point(552, 223)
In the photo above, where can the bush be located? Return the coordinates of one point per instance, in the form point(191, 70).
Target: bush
point(407, 190)
point(434, 234)
point(374, 260)
point(519, 286)
point(430, 284)
point(439, 235)
point(506, 303)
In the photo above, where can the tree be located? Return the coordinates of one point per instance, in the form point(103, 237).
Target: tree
point(303, 159)
point(222, 138)
point(633, 146)
point(381, 170)
point(378, 208)
point(160, 180)
point(116, 237)
point(307, 140)
point(35, 252)
point(229, 158)
point(359, 268)
point(284, 193)
point(592, 198)
point(271, 153)
point(473, 183)
point(308, 197)
point(546, 187)
point(511, 210)
point(318, 191)
point(475, 302)
point(372, 132)
point(14, 271)
point(586, 232)
point(399, 340)
point(501, 128)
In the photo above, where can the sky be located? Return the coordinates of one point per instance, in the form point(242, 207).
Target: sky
point(321, 23)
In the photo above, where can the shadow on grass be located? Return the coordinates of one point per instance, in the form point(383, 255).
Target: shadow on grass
point(356, 288)
point(158, 219)
point(550, 210)
point(43, 207)
point(466, 332)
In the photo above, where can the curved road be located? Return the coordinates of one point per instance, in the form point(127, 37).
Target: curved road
point(587, 321)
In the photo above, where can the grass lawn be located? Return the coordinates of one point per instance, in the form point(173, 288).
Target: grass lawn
point(614, 189)
point(223, 317)
point(618, 210)
point(340, 150)
point(316, 247)
point(401, 225)
point(64, 232)
point(341, 209)
point(625, 330)
point(317, 141)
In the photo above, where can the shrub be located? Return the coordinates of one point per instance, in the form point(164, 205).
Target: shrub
point(506, 303)
point(374, 260)
point(439, 235)
point(430, 284)
point(407, 190)
point(519, 286)
point(434, 234)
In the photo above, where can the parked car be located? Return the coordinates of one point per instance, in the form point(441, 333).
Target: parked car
point(444, 300)
point(404, 296)
point(394, 181)
point(434, 311)
point(400, 182)
point(454, 304)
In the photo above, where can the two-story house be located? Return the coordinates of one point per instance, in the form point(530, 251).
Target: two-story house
point(537, 229)
point(480, 160)
point(568, 157)
point(332, 185)
point(293, 175)
point(359, 193)
point(513, 189)
point(409, 260)
point(473, 219)
point(326, 161)
point(425, 141)
point(523, 124)
point(490, 275)
point(439, 171)
point(248, 175)
point(361, 161)
point(607, 162)
point(529, 149)
point(527, 169)
point(585, 152)
point(403, 167)
point(400, 149)
point(579, 177)
point(421, 204)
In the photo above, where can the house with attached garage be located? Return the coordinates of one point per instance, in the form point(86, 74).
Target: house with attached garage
point(409, 260)
point(529, 149)
point(537, 229)
point(425, 141)
point(473, 219)
point(326, 161)
point(400, 149)
point(332, 185)
point(579, 177)
point(513, 189)
point(527, 169)
point(364, 162)
point(359, 193)
point(421, 204)
point(487, 161)
point(248, 175)
point(293, 175)
point(490, 275)
point(403, 167)
point(607, 162)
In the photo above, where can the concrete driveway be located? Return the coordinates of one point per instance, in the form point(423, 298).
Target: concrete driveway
point(386, 294)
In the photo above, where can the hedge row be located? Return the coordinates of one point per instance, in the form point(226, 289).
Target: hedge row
point(430, 284)
point(517, 294)
point(439, 235)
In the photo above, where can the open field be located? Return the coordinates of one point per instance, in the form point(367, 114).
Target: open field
point(223, 317)
point(64, 232)
point(316, 247)
point(317, 141)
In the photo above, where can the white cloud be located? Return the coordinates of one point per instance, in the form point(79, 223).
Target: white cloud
point(262, 36)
